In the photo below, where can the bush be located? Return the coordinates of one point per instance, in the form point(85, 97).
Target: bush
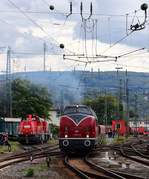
point(30, 172)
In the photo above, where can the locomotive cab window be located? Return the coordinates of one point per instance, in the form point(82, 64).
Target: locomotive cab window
point(78, 112)
point(77, 109)
point(118, 126)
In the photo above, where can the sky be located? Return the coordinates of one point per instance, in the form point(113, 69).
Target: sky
point(26, 25)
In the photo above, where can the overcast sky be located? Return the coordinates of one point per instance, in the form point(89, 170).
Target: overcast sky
point(26, 25)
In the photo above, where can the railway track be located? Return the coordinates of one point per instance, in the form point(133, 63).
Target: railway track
point(84, 168)
point(92, 170)
point(129, 151)
point(112, 173)
point(26, 156)
point(33, 151)
point(139, 152)
point(130, 148)
point(125, 154)
point(79, 167)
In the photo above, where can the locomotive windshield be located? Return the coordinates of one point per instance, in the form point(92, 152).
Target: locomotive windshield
point(78, 112)
point(78, 109)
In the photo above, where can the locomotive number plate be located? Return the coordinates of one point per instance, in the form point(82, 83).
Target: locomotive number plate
point(27, 126)
point(76, 131)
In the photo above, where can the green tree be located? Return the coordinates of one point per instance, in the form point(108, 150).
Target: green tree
point(105, 105)
point(28, 98)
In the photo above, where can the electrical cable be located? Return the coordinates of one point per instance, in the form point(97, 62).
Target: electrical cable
point(64, 13)
point(117, 42)
point(37, 25)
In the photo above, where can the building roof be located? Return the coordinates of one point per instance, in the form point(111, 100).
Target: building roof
point(7, 119)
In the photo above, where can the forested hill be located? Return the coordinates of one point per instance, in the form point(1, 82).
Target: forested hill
point(88, 79)
point(72, 86)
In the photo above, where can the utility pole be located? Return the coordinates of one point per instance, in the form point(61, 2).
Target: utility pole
point(119, 81)
point(136, 104)
point(8, 97)
point(120, 96)
point(106, 109)
point(44, 56)
point(127, 97)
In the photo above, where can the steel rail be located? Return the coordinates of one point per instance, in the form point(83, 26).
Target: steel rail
point(28, 153)
point(23, 159)
point(132, 158)
point(103, 170)
point(74, 169)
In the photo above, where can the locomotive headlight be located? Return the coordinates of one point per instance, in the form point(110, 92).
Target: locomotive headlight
point(66, 135)
point(87, 136)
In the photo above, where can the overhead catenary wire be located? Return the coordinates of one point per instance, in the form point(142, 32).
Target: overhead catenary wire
point(109, 58)
point(37, 25)
point(128, 53)
point(65, 13)
point(117, 42)
point(133, 28)
point(33, 53)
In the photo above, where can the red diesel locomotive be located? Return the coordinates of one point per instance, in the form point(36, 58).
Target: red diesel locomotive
point(78, 129)
point(33, 130)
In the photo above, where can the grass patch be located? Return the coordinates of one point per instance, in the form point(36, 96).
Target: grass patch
point(102, 140)
point(3, 149)
point(34, 170)
point(14, 147)
point(29, 172)
point(40, 167)
point(120, 139)
point(52, 141)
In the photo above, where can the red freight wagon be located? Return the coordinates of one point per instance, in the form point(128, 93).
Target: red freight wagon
point(119, 126)
point(139, 130)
